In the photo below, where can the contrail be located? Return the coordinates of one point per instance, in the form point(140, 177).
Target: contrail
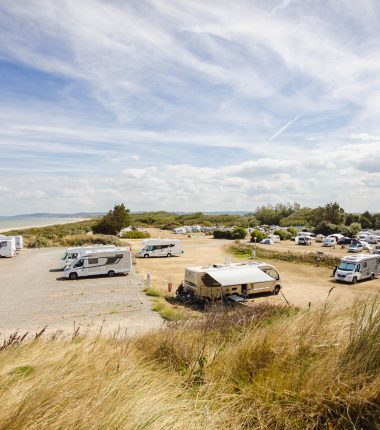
point(282, 129)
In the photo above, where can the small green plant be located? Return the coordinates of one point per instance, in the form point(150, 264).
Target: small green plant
point(167, 311)
point(136, 234)
point(23, 371)
point(153, 292)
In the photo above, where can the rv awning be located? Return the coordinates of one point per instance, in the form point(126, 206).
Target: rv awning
point(234, 276)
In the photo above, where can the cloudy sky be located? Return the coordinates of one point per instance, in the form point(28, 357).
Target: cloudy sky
point(188, 105)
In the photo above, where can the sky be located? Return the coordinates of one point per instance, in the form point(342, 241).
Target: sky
point(188, 105)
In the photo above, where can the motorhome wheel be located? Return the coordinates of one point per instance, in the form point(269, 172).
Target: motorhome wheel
point(372, 277)
point(354, 280)
point(277, 289)
point(73, 276)
point(111, 273)
point(146, 255)
point(169, 255)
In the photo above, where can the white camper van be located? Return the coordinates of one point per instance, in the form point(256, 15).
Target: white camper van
point(107, 262)
point(7, 247)
point(72, 254)
point(161, 248)
point(358, 267)
point(19, 240)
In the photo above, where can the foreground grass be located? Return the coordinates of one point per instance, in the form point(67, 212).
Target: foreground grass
point(244, 250)
point(265, 367)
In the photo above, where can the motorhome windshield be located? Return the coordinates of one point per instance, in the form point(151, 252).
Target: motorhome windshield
point(350, 267)
point(64, 256)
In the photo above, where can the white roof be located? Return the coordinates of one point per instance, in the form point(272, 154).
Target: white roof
point(237, 276)
point(359, 257)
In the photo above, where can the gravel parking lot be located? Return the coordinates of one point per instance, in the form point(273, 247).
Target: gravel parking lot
point(34, 294)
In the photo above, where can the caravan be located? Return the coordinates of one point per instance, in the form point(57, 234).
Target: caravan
point(7, 247)
point(161, 248)
point(106, 262)
point(233, 281)
point(356, 268)
point(72, 254)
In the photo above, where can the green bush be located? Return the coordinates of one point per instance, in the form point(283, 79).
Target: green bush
point(39, 242)
point(259, 235)
point(235, 234)
point(136, 234)
point(284, 235)
point(95, 239)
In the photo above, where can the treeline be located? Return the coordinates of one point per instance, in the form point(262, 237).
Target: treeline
point(327, 219)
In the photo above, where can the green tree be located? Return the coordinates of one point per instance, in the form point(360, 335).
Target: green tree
point(113, 221)
point(355, 227)
point(331, 213)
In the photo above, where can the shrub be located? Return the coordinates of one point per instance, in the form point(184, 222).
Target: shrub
point(136, 234)
point(39, 242)
point(235, 234)
point(283, 234)
point(293, 231)
point(245, 250)
point(259, 235)
point(95, 239)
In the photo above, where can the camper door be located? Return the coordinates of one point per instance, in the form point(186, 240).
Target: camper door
point(80, 267)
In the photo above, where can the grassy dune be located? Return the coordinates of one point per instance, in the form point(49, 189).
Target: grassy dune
point(265, 367)
point(71, 234)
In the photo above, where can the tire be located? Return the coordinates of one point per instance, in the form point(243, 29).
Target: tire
point(146, 255)
point(111, 273)
point(355, 280)
point(169, 255)
point(73, 276)
point(276, 290)
point(372, 277)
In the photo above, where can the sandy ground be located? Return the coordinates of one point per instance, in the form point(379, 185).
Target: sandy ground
point(34, 294)
point(302, 284)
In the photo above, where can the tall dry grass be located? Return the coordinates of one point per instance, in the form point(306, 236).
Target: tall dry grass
point(264, 367)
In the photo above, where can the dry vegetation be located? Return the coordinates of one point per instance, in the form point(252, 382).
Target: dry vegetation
point(260, 367)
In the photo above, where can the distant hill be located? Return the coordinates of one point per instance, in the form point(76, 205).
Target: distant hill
point(50, 215)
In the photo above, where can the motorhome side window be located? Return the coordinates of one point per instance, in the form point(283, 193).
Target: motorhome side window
point(79, 263)
point(92, 261)
point(3, 244)
point(364, 264)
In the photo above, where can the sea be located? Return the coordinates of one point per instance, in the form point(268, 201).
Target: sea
point(17, 223)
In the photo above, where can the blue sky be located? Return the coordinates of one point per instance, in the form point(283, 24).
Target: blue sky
point(186, 105)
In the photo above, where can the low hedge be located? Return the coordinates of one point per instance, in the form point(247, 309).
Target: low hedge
point(245, 250)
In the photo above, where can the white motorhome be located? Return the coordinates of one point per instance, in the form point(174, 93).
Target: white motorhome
point(358, 267)
point(373, 238)
point(180, 230)
point(19, 240)
point(107, 262)
point(161, 248)
point(231, 280)
point(329, 241)
point(7, 247)
point(72, 254)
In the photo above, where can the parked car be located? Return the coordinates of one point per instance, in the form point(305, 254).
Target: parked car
point(304, 240)
point(355, 247)
point(329, 241)
point(319, 238)
point(345, 241)
point(267, 241)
